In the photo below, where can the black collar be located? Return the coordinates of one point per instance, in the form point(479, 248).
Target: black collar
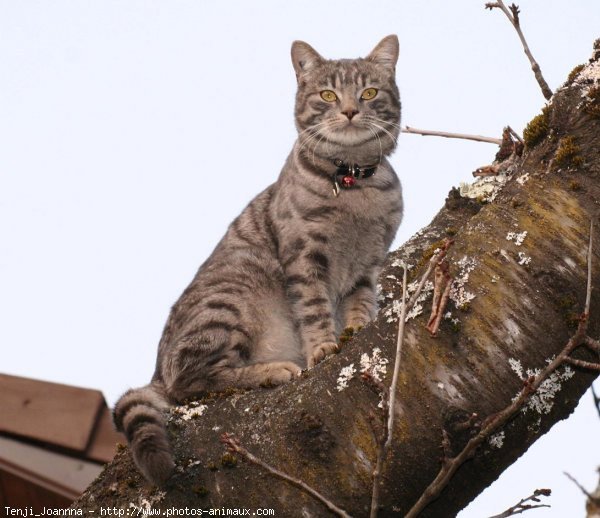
point(350, 173)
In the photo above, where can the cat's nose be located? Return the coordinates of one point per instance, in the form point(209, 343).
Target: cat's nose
point(350, 113)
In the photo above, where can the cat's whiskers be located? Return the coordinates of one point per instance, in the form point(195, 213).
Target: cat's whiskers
point(392, 137)
point(315, 149)
point(312, 131)
point(393, 124)
point(305, 143)
point(378, 140)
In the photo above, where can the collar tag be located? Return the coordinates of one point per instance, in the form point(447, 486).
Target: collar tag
point(350, 173)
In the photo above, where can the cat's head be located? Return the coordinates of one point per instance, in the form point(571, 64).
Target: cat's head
point(349, 108)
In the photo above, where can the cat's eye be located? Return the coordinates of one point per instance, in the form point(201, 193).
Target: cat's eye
point(329, 96)
point(369, 94)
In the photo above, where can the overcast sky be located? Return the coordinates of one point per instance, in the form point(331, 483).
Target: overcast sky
point(133, 132)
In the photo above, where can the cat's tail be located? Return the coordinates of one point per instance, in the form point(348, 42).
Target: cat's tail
point(140, 415)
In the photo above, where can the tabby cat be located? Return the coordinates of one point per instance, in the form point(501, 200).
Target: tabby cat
point(299, 264)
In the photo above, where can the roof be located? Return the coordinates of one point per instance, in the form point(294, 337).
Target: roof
point(54, 439)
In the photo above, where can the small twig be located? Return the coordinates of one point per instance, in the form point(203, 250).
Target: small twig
point(446, 447)
point(523, 506)
point(596, 400)
point(515, 134)
point(464, 136)
point(389, 407)
point(234, 446)
point(435, 259)
point(588, 295)
point(441, 294)
point(590, 497)
point(583, 364)
point(593, 345)
point(513, 16)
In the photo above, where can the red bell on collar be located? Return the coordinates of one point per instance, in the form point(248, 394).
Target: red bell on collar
point(348, 181)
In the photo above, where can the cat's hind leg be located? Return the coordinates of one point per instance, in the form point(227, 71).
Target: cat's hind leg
point(197, 365)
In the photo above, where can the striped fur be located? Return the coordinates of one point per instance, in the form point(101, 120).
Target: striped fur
point(297, 266)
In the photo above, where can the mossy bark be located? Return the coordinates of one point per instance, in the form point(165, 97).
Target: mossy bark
point(526, 299)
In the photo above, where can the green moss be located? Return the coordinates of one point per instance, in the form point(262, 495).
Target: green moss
point(567, 302)
point(450, 231)
point(346, 335)
point(200, 490)
point(568, 306)
point(537, 129)
point(567, 153)
point(574, 73)
point(228, 460)
point(455, 325)
point(592, 105)
point(428, 254)
point(215, 396)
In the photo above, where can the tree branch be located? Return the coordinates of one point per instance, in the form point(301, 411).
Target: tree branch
point(583, 364)
point(596, 400)
point(589, 496)
point(522, 506)
point(464, 136)
point(513, 16)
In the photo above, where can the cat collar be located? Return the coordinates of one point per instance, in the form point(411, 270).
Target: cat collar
point(349, 173)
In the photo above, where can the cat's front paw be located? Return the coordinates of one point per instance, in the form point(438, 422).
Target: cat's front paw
point(277, 373)
point(320, 351)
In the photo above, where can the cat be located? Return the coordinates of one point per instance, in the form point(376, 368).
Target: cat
point(298, 265)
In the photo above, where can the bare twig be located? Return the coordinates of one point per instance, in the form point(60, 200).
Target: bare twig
point(435, 259)
point(523, 506)
point(596, 400)
point(589, 495)
point(389, 405)
point(441, 294)
point(515, 134)
point(234, 446)
point(494, 422)
point(583, 364)
point(399, 342)
point(464, 136)
point(513, 15)
point(591, 344)
point(588, 295)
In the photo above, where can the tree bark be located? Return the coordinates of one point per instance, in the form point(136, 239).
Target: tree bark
point(522, 310)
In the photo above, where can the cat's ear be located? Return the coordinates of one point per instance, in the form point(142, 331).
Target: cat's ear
point(304, 57)
point(386, 52)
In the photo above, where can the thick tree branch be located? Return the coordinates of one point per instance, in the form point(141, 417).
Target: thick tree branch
point(496, 421)
point(234, 446)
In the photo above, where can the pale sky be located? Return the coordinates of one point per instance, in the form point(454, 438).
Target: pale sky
point(133, 132)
